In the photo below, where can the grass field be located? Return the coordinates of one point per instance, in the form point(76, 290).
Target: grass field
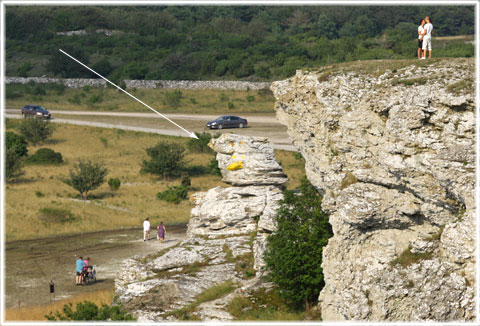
point(107, 99)
point(121, 152)
point(38, 313)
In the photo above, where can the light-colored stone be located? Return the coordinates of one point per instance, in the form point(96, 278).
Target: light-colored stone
point(161, 84)
point(396, 163)
point(247, 160)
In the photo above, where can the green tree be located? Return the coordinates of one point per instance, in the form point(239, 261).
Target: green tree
point(63, 66)
point(166, 159)
point(103, 67)
point(13, 164)
point(294, 251)
point(23, 70)
point(200, 145)
point(36, 130)
point(86, 176)
point(87, 310)
point(16, 142)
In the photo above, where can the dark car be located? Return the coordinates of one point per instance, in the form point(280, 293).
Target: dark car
point(227, 121)
point(35, 111)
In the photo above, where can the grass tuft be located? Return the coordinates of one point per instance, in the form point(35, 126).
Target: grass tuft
point(408, 258)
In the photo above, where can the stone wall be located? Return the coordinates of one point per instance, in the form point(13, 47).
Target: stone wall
point(392, 146)
point(161, 84)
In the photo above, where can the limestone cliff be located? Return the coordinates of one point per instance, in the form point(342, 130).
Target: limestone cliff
point(392, 146)
point(225, 240)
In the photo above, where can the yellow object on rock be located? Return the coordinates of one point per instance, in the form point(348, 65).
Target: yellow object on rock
point(235, 166)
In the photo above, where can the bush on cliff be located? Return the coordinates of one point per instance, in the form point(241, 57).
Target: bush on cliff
point(294, 251)
point(88, 310)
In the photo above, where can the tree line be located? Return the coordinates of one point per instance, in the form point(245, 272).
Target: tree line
point(221, 42)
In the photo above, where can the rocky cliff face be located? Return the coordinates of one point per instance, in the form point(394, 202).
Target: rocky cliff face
point(225, 240)
point(391, 145)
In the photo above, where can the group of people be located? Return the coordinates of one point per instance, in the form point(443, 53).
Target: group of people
point(161, 230)
point(425, 31)
point(82, 266)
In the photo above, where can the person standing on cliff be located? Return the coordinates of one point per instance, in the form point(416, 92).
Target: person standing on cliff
point(427, 39)
point(161, 232)
point(421, 33)
point(146, 229)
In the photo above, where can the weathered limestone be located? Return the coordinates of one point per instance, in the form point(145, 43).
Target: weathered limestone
point(226, 234)
point(247, 161)
point(393, 152)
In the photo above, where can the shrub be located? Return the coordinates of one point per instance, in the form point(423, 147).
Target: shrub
point(200, 145)
point(75, 99)
point(166, 159)
point(213, 167)
point(250, 98)
point(230, 105)
point(36, 130)
point(104, 141)
point(174, 194)
point(23, 70)
point(13, 164)
point(294, 251)
point(95, 99)
point(50, 215)
point(114, 183)
point(39, 90)
point(86, 176)
point(39, 194)
point(90, 311)
point(16, 142)
point(45, 156)
point(172, 99)
point(186, 180)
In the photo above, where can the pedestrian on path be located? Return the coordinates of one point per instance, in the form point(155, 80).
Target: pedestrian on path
point(162, 230)
point(146, 229)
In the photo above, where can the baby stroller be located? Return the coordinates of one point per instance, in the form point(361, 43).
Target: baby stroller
point(89, 275)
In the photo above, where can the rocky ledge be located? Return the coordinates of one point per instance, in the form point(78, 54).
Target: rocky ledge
point(392, 146)
point(225, 241)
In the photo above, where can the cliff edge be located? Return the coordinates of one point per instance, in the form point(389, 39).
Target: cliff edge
point(392, 146)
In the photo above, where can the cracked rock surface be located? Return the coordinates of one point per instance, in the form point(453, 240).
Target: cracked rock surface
point(225, 241)
point(392, 147)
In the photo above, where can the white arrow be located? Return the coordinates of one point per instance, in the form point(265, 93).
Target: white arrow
point(190, 134)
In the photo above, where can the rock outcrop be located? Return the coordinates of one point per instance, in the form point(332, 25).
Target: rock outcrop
point(392, 146)
point(225, 240)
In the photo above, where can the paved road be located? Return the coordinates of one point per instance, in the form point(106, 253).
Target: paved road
point(260, 125)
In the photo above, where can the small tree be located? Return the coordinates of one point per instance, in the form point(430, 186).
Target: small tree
point(16, 142)
point(36, 131)
point(294, 251)
point(86, 176)
point(88, 310)
point(13, 164)
point(166, 160)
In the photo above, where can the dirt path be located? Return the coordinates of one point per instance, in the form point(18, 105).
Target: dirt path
point(31, 264)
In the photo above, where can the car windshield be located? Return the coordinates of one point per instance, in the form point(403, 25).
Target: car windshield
point(224, 117)
point(39, 109)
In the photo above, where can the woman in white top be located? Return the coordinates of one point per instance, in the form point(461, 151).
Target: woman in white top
point(421, 32)
point(427, 39)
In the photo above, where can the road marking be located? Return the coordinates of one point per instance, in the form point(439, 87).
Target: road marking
point(190, 134)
